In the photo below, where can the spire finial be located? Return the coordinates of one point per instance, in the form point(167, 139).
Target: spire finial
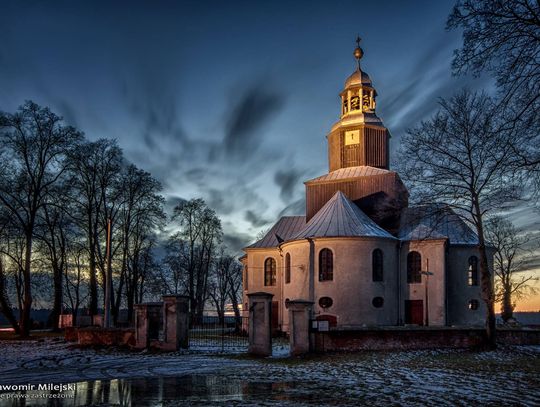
point(358, 52)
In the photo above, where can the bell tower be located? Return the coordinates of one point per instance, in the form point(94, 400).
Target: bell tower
point(359, 137)
point(358, 157)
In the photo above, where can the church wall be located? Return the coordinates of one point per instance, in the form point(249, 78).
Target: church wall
point(352, 289)
point(255, 270)
point(434, 253)
point(298, 288)
point(459, 291)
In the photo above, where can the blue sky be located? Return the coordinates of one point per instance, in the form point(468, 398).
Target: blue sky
point(228, 101)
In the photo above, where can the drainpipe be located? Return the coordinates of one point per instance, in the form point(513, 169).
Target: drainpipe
point(311, 271)
point(446, 278)
point(311, 279)
point(281, 302)
point(399, 319)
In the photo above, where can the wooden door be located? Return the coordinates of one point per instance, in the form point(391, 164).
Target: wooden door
point(275, 317)
point(414, 312)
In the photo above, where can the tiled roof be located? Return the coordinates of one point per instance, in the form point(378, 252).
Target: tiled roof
point(340, 217)
point(286, 227)
point(435, 222)
point(349, 172)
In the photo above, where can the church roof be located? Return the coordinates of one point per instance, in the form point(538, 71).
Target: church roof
point(284, 229)
point(349, 173)
point(340, 217)
point(435, 222)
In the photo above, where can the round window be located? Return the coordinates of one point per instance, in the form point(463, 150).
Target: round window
point(378, 302)
point(325, 302)
point(473, 305)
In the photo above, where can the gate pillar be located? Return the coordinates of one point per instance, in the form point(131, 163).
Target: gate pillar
point(146, 324)
point(175, 321)
point(260, 324)
point(299, 316)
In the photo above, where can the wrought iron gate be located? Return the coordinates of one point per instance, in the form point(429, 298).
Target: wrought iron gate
point(209, 333)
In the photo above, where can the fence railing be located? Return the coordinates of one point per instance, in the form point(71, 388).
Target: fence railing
point(214, 333)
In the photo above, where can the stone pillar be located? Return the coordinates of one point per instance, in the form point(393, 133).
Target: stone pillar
point(175, 322)
point(299, 315)
point(260, 324)
point(146, 324)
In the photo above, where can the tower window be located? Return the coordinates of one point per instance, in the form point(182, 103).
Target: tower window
point(414, 266)
point(269, 272)
point(355, 103)
point(287, 268)
point(473, 305)
point(377, 265)
point(473, 271)
point(326, 265)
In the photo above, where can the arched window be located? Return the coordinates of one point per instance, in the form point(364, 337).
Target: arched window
point(326, 265)
point(414, 267)
point(377, 265)
point(269, 272)
point(473, 270)
point(287, 268)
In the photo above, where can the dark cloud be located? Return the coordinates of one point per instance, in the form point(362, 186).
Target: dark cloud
point(288, 180)
point(252, 110)
point(235, 242)
point(255, 219)
point(297, 207)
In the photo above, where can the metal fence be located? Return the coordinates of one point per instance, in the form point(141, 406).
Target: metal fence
point(209, 333)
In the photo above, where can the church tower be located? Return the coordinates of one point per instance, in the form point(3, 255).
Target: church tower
point(359, 137)
point(358, 157)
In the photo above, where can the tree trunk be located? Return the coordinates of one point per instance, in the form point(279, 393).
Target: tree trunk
point(507, 310)
point(54, 316)
point(25, 323)
point(486, 282)
point(93, 304)
point(5, 305)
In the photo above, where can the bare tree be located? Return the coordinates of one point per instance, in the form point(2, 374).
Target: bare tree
point(33, 144)
point(218, 288)
point(502, 37)
point(460, 158)
point(74, 277)
point(141, 215)
point(91, 164)
point(509, 260)
point(200, 230)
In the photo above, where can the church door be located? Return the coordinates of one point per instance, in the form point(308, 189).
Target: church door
point(414, 312)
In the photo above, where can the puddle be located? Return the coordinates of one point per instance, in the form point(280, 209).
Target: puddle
point(173, 391)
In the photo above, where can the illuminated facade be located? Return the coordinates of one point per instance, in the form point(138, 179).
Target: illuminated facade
point(360, 253)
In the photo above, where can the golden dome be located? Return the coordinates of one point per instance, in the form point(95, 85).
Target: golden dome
point(358, 77)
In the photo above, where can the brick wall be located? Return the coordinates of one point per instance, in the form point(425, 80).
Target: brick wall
point(416, 338)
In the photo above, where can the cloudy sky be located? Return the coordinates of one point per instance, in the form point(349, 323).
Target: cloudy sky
point(228, 101)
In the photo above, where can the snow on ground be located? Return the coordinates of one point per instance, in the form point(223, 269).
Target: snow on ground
point(508, 376)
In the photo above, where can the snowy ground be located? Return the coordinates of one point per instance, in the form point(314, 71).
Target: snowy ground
point(509, 376)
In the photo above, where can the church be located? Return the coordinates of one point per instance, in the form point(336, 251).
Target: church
point(361, 254)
